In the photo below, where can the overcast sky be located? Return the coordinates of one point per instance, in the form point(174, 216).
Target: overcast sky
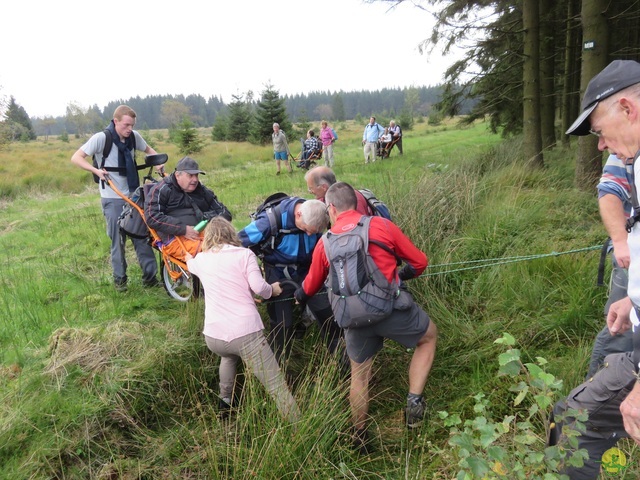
point(54, 53)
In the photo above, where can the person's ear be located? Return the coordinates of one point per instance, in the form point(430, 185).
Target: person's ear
point(630, 108)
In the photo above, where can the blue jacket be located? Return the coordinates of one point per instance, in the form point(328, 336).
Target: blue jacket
point(294, 249)
point(372, 132)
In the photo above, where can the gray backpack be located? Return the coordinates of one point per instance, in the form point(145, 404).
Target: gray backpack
point(130, 221)
point(359, 293)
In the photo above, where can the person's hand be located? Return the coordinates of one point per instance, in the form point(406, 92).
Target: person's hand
point(362, 142)
point(301, 297)
point(102, 174)
point(192, 233)
point(630, 409)
point(621, 252)
point(618, 318)
point(276, 289)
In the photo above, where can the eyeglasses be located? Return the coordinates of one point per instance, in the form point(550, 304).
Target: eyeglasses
point(598, 133)
point(327, 209)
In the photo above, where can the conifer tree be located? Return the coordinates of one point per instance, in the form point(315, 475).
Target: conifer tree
point(269, 110)
point(239, 120)
point(18, 122)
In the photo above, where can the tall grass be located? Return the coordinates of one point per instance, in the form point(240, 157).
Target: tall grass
point(96, 384)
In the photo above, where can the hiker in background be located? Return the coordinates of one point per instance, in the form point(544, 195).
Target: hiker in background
point(611, 399)
point(233, 328)
point(327, 138)
point(384, 140)
point(405, 321)
point(280, 148)
point(370, 136)
point(615, 209)
point(119, 165)
point(311, 149)
point(396, 136)
point(175, 205)
point(286, 255)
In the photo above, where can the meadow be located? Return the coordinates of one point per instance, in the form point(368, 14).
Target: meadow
point(102, 385)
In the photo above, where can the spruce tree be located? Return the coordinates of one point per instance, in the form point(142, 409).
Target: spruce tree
point(269, 110)
point(239, 120)
point(19, 122)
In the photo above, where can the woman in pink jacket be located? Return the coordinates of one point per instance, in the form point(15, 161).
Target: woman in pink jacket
point(327, 138)
point(233, 329)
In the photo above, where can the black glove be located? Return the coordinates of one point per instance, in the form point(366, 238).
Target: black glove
point(301, 297)
point(407, 272)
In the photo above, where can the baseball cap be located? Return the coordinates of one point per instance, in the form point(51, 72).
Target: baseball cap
point(616, 76)
point(189, 165)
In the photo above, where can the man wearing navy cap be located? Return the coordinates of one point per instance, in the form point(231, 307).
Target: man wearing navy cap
point(177, 204)
point(611, 111)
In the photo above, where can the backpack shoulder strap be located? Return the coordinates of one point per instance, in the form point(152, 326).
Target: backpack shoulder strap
point(274, 214)
point(108, 143)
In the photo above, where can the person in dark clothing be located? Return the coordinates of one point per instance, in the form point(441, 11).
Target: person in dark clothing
point(302, 224)
point(177, 204)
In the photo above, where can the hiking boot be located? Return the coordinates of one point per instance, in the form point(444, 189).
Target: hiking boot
point(120, 285)
point(299, 331)
point(414, 413)
point(224, 408)
point(360, 441)
point(151, 283)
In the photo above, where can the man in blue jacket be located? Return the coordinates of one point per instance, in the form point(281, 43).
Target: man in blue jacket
point(287, 256)
point(370, 136)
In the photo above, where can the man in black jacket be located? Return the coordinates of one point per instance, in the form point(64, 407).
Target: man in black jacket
point(177, 204)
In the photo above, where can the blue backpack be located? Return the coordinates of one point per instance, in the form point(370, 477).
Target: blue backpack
point(379, 208)
point(335, 135)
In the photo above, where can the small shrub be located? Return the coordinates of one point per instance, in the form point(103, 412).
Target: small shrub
point(513, 447)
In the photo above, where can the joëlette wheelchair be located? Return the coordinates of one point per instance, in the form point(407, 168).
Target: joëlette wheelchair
point(383, 149)
point(177, 280)
point(312, 159)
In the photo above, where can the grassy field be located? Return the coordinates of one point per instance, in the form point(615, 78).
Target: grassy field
point(96, 384)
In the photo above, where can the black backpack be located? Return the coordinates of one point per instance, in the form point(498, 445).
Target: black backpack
point(271, 206)
point(108, 143)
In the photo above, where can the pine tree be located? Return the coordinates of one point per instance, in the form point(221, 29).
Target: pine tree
point(269, 110)
point(187, 138)
point(18, 122)
point(239, 120)
point(338, 108)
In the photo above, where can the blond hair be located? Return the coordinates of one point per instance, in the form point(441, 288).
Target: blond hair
point(219, 232)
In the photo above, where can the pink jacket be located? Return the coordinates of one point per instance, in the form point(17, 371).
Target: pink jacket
point(230, 277)
point(326, 135)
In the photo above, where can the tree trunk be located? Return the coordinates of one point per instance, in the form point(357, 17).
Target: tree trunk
point(532, 134)
point(548, 29)
point(595, 52)
point(568, 112)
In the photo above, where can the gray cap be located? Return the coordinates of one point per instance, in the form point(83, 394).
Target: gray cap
point(616, 76)
point(189, 165)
